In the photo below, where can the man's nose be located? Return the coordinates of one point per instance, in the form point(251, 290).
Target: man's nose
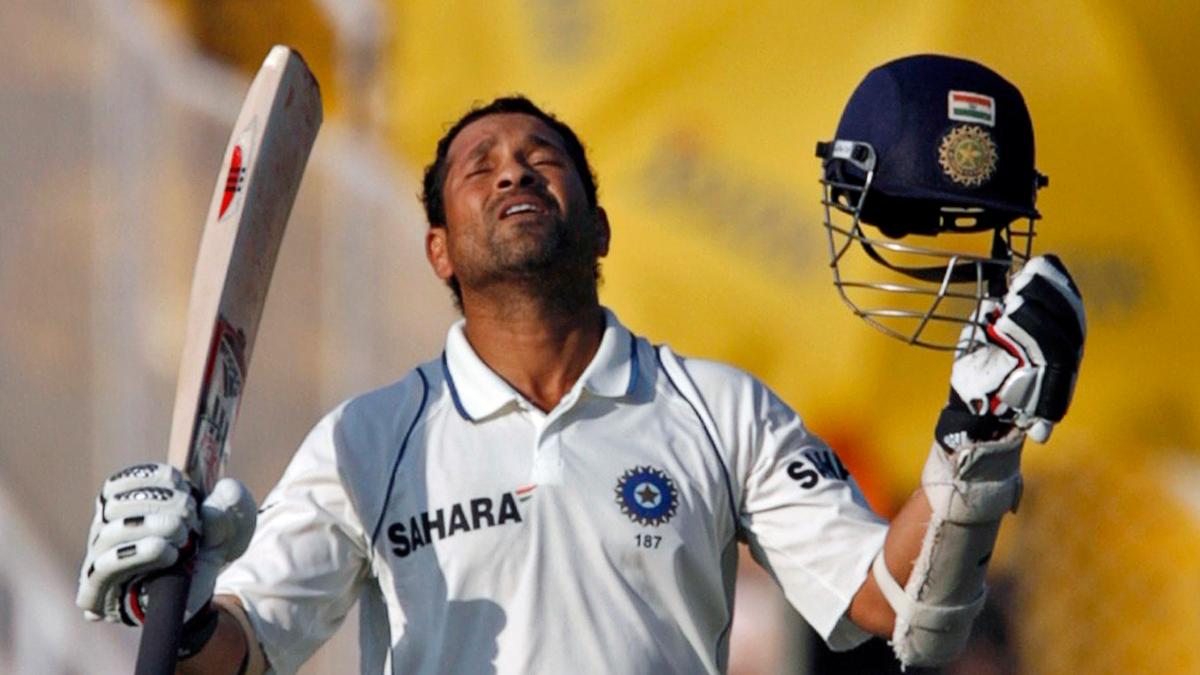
point(515, 173)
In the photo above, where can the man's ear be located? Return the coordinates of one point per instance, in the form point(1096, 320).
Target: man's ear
point(437, 251)
point(603, 232)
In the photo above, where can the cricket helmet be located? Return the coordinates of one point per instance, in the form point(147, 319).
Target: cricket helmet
point(931, 175)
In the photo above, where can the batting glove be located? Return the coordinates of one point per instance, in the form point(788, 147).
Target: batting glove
point(146, 520)
point(1017, 362)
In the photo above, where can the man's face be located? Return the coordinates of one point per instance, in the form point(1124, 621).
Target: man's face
point(515, 206)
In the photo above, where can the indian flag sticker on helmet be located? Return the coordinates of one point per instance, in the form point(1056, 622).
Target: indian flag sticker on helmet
point(967, 106)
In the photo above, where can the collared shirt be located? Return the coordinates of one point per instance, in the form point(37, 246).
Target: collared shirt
point(482, 535)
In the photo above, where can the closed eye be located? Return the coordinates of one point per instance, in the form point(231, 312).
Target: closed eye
point(545, 155)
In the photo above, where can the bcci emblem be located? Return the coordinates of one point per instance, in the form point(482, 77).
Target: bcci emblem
point(647, 496)
point(968, 155)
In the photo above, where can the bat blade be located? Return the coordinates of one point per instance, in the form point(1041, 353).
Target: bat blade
point(256, 187)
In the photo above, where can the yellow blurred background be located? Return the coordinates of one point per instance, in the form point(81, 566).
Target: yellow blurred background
point(700, 119)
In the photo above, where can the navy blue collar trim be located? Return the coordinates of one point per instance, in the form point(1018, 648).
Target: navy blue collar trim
point(633, 364)
point(634, 372)
point(454, 390)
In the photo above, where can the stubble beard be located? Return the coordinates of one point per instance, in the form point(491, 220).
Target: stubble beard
point(558, 269)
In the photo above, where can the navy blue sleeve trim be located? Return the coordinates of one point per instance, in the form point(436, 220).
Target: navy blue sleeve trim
point(454, 390)
point(733, 510)
point(387, 496)
point(720, 460)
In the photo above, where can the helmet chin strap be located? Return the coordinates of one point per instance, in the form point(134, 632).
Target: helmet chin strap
point(994, 270)
point(1001, 250)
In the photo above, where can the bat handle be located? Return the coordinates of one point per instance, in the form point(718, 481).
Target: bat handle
point(168, 593)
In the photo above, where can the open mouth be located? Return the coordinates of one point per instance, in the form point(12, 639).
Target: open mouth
point(522, 204)
point(522, 207)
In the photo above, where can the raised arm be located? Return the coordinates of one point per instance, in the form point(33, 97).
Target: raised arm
point(1013, 376)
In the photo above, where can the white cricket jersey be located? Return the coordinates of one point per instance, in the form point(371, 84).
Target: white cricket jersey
point(483, 535)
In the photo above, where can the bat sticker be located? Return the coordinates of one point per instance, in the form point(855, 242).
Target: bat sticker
point(235, 176)
point(223, 380)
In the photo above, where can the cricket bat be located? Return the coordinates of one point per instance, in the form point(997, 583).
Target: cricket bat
point(257, 184)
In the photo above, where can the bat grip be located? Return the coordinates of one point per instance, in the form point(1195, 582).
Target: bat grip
point(168, 593)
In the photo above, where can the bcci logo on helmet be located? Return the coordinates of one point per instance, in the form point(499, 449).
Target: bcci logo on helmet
point(647, 495)
point(967, 155)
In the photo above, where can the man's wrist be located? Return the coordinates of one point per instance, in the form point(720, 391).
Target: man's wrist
point(198, 631)
point(253, 661)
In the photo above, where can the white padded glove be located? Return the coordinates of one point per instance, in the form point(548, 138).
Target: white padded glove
point(1019, 363)
point(146, 520)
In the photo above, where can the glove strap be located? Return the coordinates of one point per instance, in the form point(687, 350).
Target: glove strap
point(957, 426)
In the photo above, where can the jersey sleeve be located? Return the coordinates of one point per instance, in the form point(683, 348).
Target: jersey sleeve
point(805, 519)
point(309, 556)
point(803, 516)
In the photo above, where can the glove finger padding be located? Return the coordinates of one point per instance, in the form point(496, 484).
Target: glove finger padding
point(113, 580)
point(1043, 325)
point(174, 529)
point(149, 474)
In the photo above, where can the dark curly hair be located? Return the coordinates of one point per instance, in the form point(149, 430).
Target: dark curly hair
point(435, 174)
